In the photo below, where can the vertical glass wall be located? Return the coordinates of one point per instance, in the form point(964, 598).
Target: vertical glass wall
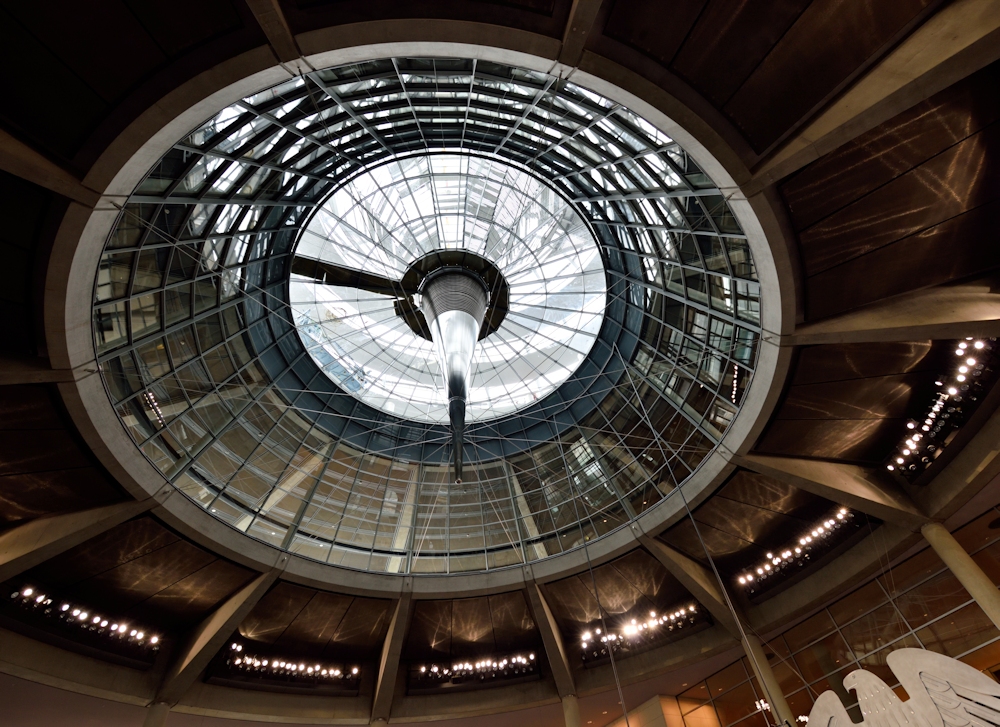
point(918, 604)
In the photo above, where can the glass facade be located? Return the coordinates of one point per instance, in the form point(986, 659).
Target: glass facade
point(917, 604)
point(195, 321)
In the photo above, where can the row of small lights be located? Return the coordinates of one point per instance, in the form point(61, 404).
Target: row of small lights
point(915, 453)
point(155, 406)
point(635, 629)
point(763, 706)
point(85, 618)
point(283, 667)
point(774, 561)
point(516, 664)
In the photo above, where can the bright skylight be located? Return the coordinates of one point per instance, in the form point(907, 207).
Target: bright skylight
point(389, 216)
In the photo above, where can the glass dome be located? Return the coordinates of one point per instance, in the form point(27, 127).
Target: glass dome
point(385, 219)
point(630, 338)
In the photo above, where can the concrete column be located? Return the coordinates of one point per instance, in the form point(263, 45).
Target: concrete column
point(571, 710)
point(965, 569)
point(765, 677)
point(156, 714)
point(555, 650)
point(392, 652)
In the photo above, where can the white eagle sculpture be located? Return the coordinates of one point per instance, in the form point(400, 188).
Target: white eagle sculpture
point(943, 692)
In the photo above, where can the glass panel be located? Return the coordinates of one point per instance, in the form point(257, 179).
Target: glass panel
point(824, 658)
point(926, 602)
point(960, 632)
point(598, 236)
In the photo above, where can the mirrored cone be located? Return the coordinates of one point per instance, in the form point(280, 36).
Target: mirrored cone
point(454, 303)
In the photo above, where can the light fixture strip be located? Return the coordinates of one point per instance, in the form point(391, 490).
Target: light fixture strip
point(803, 549)
point(85, 618)
point(637, 630)
point(514, 664)
point(278, 667)
point(947, 410)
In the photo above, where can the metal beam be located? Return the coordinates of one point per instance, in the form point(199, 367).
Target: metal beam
point(697, 579)
point(859, 488)
point(965, 569)
point(958, 40)
point(392, 650)
point(25, 546)
point(210, 636)
point(275, 26)
point(578, 28)
point(22, 161)
point(36, 370)
point(571, 711)
point(765, 677)
point(948, 312)
point(555, 651)
point(706, 588)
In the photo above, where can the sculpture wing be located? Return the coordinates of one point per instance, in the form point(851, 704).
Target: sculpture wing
point(880, 706)
point(940, 685)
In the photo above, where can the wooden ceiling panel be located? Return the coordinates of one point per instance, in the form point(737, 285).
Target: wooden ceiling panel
point(654, 27)
point(180, 25)
point(684, 538)
point(748, 516)
point(542, 16)
point(317, 622)
point(118, 546)
point(201, 592)
point(513, 627)
point(110, 33)
point(766, 493)
point(58, 122)
point(471, 628)
point(572, 603)
point(863, 441)
point(37, 484)
point(28, 407)
point(632, 585)
point(299, 621)
point(819, 364)
point(618, 595)
point(730, 40)
point(363, 628)
point(828, 43)
point(142, 570)
point(274, 612)
point(873, 398)
point(36, 494)
point(142, 578)
point(959, 179)
point(429, 636)
point(916, 196)
point(739, 520)
point(37, 450)
point(891, 149)
point(941, 254)
point(646, 574)
point(841, 393)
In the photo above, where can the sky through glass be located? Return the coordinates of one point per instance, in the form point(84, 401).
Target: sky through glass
point(388, 217)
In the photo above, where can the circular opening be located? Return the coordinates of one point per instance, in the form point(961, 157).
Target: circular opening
point(194, 320)
point(374, 242)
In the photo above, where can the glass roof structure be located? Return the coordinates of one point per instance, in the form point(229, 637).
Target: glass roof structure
point(388, 217)
point(642, 299)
